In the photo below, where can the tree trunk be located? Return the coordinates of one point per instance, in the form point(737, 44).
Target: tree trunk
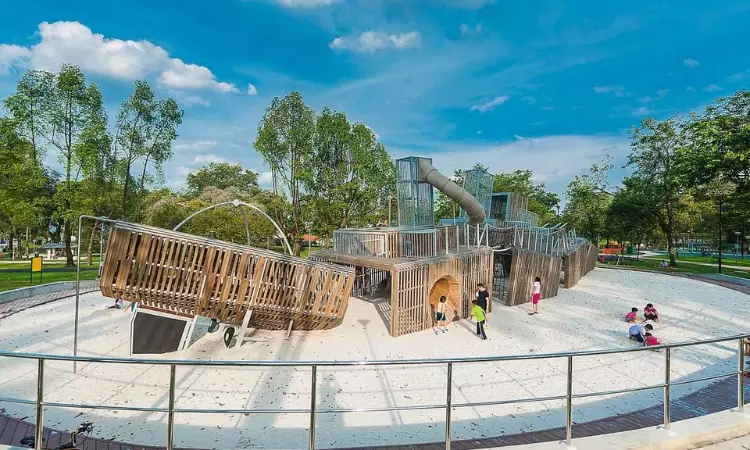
point(140, 191)
point(296, 247)
point(68, 249)
point(91, 243)
point(10, 244)
point(670, 249)
point(125, 187)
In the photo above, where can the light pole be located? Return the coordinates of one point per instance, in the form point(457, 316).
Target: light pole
point(736, 244)
point(721, 204)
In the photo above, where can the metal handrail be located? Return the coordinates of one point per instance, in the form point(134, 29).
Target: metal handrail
point(569, 396)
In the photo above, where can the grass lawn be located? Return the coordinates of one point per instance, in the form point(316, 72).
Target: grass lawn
point(653, 264)
point(725, 259)
point(13, 279)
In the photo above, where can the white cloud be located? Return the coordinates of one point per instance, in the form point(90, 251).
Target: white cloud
point(11, 55)
point(251, 89)
point(194, 100)
point(265, 179)
point(75, 43)
point(553, 159)
point(184, 171)
point(194, 146)
point(490, 105)
point(208, 158)
point(690, 62)
point(529, 100)
point(690, 88)
point(643, 111)
point(468, 31)
point(372, 41)
point(713, 88)
point(732, 78)
point(619, 91)
point(660, 94)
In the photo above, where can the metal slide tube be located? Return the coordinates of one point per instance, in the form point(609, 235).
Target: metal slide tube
point(431, 176)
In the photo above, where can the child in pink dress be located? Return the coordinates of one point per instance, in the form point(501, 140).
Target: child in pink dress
point(536, 294)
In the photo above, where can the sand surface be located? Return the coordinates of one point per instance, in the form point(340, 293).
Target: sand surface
point(588, 316)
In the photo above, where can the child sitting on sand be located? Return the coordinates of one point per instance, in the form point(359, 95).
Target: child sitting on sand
point(632, 316)
point(650, 313)
point(651, 340)
point(638, 332)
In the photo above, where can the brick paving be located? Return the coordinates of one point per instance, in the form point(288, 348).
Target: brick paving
point(719, 396)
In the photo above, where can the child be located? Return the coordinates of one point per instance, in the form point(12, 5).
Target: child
point(478, 313)
point(650, 313)
point(440, 314)
point(651, 340)
point(536, 294)
point(482, 296)
point(632, 316)
point(638, 332)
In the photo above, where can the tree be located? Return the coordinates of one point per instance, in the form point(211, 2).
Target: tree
point(28, 106)
point(586, 210)
point(350, 173)
point(222, 176)
point(74, 113)
point(541, 202)
point(656, 160)
point(21, 181)
point(633, 214)
point(285, 141)
point(145, 130)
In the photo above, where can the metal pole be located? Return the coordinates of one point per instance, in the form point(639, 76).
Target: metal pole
point(170, 408)
point(434, 242)
point(569, 406)
point(667, 389)
point(314, 383)
point(477, 236)
point(458, 238)
point(78, 292)
point(39, 432)
point(247, 226)
point(446, 239)
point(720, 231)
point(101, 248)
point(448, 407)
point(390, 206)
point(740, 376)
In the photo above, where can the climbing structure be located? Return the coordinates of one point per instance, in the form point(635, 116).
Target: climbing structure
point(188, 275)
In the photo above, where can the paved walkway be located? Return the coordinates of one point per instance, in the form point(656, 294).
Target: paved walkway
point(742, 443)
point(16, 306)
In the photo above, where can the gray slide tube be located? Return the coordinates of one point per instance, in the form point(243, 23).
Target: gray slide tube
point(430, 175)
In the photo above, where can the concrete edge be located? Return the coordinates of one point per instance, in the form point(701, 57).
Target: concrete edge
point(31, 291)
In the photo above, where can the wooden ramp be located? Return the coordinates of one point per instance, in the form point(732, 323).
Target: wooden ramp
point(191, 275)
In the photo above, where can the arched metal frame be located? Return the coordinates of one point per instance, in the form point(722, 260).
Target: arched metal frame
point(237, 204)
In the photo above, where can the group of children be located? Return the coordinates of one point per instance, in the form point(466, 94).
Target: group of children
point(639, 329)
point(478, 311)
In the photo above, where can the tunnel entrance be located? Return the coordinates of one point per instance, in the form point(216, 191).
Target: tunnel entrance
point(447, 286)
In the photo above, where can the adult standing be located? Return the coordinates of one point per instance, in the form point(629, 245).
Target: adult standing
point(483, 297)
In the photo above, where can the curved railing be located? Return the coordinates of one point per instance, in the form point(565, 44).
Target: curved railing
point(314, 410)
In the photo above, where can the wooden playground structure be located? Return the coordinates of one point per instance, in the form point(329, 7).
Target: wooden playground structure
point(409, 267)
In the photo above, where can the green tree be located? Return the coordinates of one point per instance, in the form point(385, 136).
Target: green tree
point(586, 210)
point(21, 181)
point(656, 161)
point(145, 130)
point(633, 215)
point(222, 176)
point(74, 113)
point(285, 141)
point(351, 172)
point(28, 106)
point(541, 202)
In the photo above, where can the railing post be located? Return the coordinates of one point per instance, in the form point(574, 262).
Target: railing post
point(78, 291)
point(667, 388)
point(449, 379)
point(446, 240)
point(435, 242)
point(477, 235)
point(39, 432)
point(458, 238)
point(569, 406)
point(740, 376)
point(170, 408)
point(314, 383)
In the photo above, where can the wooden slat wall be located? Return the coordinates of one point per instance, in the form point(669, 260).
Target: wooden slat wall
point(525, 266)
point(195, 278)
point(577, 264)
point(412, 283)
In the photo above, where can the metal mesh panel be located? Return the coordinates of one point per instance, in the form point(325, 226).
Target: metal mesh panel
point(415, 199)
point(478, 183)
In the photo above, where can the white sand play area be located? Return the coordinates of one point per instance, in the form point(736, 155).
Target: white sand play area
point(589, 316)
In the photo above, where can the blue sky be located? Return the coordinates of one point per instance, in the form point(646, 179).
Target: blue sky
point(545, 85)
